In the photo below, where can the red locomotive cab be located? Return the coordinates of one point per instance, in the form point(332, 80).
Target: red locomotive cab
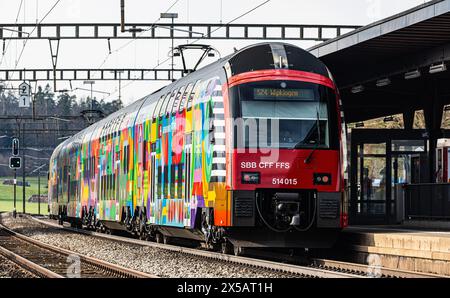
point(287, 158)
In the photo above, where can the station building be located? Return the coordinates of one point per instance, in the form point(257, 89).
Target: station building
point(394, 80)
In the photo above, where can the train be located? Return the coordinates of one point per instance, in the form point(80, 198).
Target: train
point(249, 151)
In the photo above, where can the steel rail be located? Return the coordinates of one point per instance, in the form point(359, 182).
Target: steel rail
point(109, 267)
point(28, 265)
point(251, 262)
point(365, 269)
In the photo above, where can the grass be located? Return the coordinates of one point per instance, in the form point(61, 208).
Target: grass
point(7, 195)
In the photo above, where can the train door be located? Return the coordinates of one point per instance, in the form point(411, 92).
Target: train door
point(57, 186)
point(371, 194)
point(187, 180)
point(153, 186)
point(117, 184)
point(68, 183)
point(415, 172)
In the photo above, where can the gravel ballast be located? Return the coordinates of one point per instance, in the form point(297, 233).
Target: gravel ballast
point(9, 269)
point(152, 260)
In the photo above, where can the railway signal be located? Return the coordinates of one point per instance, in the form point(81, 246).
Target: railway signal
point(15, 147)
point(15, 162)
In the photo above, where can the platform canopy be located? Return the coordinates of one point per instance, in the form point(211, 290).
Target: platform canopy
point(396, 65)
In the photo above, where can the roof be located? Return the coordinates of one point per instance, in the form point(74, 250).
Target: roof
point(415, 39)
point(415, 30)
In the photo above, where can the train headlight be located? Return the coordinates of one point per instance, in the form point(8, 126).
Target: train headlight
point(322, 179)
point(251, 178)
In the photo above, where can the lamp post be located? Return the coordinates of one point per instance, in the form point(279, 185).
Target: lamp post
point(119, 72)
point(39, 191)
point(38, 169)
point(172, 16)
point(90, 82)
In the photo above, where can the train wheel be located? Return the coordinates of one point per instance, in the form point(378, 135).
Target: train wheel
point(238, 250)
point(226, 248)
point(143, 235)
point(159, 238)
point(166, 239)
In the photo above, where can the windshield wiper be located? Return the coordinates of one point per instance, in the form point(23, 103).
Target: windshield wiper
point(308, 159)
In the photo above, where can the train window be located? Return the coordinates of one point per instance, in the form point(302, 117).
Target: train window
point(158, 106)
point(84, 168)
point(180, 181)
point(177, 100)
point(128, 159)
point(301, 111)
point(185, 96)
point(159, 182)
point(162, 108)
point(93, 165)
point(172, 181)
point(144, 155)
point(111, 185)
point(195, 92)
point(169, 105)
point(166, 182)
point(102, 182)
point(107, 186)
point(125, 159)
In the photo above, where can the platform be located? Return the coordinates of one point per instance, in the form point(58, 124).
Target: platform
point(398, 247)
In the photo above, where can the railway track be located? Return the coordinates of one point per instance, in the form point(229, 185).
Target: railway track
point(53, 262)
point(346, 267)
point(313, 267)
point(372, 271)
point(294, 270)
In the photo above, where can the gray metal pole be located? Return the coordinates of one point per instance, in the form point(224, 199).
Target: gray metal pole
point(120, 92)
point(39, 192)
point(23, 168)
point(122, 16)
point(15, 186)
point(173, 36)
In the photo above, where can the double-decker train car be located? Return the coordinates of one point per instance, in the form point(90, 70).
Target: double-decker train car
point(246, 152)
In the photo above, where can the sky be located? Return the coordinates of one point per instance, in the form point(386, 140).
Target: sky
point(149, 53)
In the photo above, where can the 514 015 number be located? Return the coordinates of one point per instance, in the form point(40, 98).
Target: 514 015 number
point(284, 181)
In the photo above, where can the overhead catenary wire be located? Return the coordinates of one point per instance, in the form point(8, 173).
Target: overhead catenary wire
point(133, 40)
point(228, 23)
point(34, 28)
point(9, 41)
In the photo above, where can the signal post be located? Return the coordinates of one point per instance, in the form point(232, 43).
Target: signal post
point(15, 163)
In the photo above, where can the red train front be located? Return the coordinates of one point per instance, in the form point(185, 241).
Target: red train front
point(285, 150)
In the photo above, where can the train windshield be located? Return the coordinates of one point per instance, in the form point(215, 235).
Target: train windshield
point(284, 114)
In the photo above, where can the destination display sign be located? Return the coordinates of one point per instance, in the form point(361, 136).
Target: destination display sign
point(283, 94)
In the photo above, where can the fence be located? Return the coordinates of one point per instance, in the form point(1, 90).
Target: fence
point(427, 201)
